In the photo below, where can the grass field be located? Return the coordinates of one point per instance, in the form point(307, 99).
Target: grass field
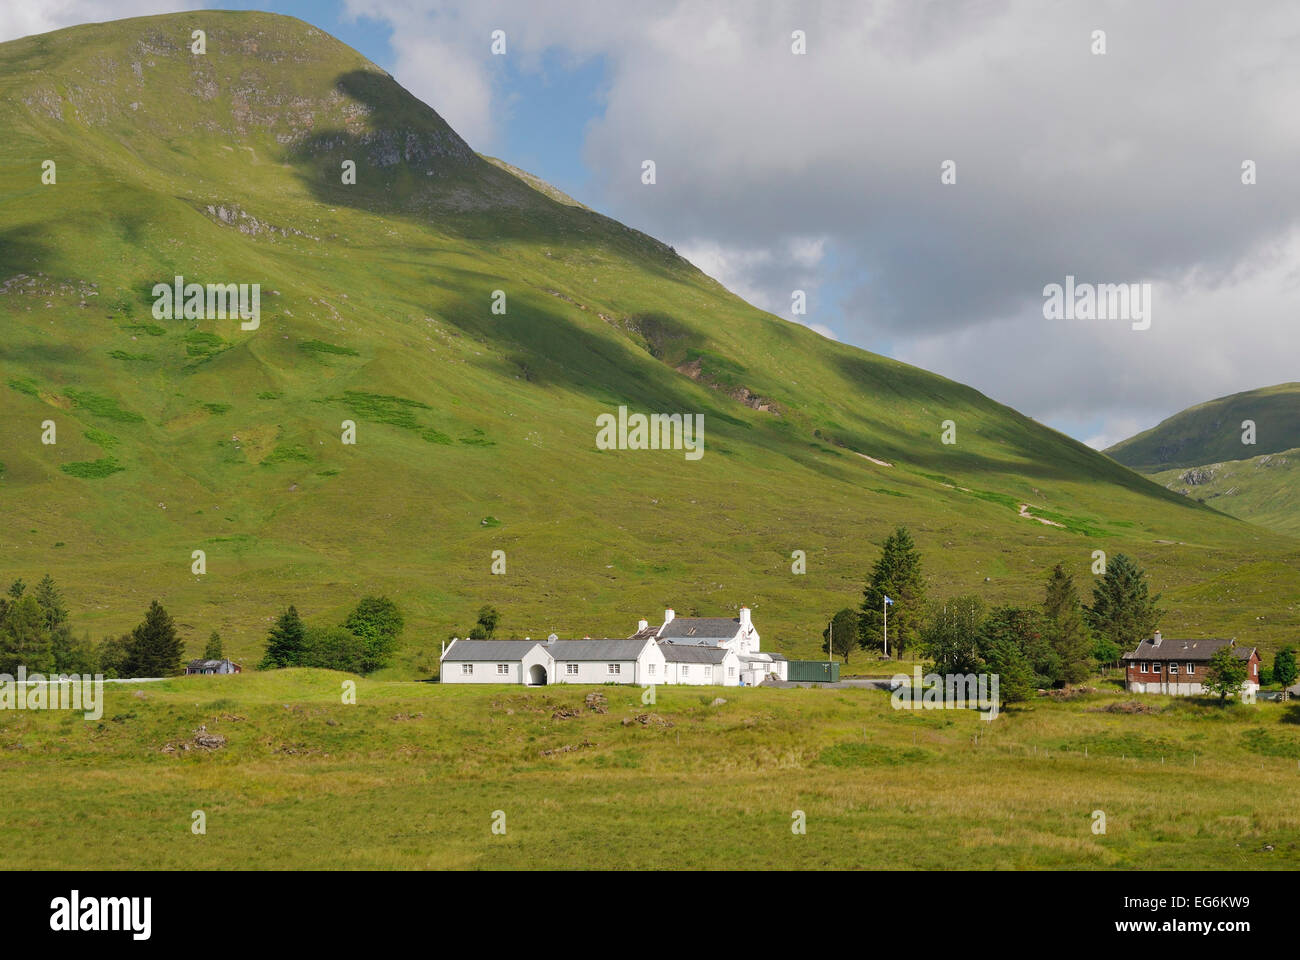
point(411, 775)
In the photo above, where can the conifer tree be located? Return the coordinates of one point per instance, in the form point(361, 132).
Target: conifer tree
point(284, 644)
point(897, 575)
point(213, 649)
point(1066, 630)
point(1122, 609)
point(24, 638)
point(155, 648)
point(50, 597)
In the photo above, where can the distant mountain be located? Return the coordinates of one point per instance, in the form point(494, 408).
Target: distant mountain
point(1211, 432)
point(475, 426)
point(1202, 454)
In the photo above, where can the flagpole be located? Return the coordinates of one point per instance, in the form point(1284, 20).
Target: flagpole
point(885, 608)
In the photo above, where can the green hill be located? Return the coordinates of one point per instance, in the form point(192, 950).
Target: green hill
point(1212, 432)
point(475, 430)
point(1200, 454)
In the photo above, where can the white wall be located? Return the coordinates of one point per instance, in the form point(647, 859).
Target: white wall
point(595, 671)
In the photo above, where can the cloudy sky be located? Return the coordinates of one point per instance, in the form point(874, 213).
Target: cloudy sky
point(821, 171)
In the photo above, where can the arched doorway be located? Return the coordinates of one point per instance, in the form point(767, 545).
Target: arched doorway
point(537, 675)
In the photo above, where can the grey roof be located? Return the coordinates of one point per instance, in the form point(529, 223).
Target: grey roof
point(626, 648)
point(488, 649)
point(1195, 650)
point(697, 629)
point(692, 653)
point(209, 664)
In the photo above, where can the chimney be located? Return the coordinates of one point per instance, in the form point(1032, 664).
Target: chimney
point(1155, 641)
point(745, 625)
point(668, 615)
point(642, 625)
point(551, 639)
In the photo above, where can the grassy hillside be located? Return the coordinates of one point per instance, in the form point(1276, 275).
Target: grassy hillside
point(475, 430)
point(1199, 453)
point(1211, 432)
point(1264, 490)
point(303, 781)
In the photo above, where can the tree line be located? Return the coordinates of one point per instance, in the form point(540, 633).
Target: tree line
point(1057, 642)
point(362, 643)
point(36, 633)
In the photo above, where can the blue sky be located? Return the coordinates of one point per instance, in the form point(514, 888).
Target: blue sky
point(548, 108)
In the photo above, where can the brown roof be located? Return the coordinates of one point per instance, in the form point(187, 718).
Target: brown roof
point(1194, 650)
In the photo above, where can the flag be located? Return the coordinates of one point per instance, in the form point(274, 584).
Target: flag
point(888, 602)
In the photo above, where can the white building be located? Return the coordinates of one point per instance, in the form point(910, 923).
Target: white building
point(537, 663)
point(713, 651)
point(734, 634)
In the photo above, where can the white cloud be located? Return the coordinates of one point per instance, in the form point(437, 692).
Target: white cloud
point(1115, 168)
point(22, 18)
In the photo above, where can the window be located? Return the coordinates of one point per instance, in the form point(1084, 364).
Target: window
point(467, 669)
point(685, 669)
point(1191, 668)
point(1145, 668)
point(1155, 668)
point(708, 673)
point(571, 669)
point(1255, 669)
point(731, 671)
point(650, 669)
point(503, 669)
point(615, 668)
point(1173, 668)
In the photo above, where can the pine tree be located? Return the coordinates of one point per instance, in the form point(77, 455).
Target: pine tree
point(284, 644)
point(24, 638)
point(50, 597)
point(1066, 631)
point(1014, 672)
point(1122, 610)
point(213, 650)
point(155, 648)
point(897, 575)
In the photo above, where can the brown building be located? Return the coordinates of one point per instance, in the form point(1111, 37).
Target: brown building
point(1178, 667)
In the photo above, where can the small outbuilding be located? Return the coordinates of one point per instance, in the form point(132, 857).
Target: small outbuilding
point(212, 667)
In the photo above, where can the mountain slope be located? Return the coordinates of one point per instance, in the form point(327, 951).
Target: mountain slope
point(1264, 489)
point(475, 430)
point(1212, 432)
point(1201, 454)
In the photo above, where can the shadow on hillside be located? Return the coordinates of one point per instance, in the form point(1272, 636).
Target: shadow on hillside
point(411, 165)
point(23, 250)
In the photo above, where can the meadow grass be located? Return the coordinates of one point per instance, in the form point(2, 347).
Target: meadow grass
point(411, 775)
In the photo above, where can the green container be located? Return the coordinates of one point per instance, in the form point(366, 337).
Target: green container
point(815, 671)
